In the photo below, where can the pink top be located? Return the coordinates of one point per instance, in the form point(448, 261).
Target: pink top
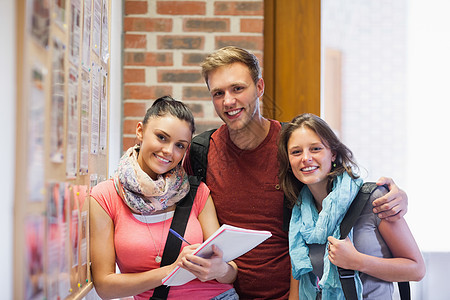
point(137, 243)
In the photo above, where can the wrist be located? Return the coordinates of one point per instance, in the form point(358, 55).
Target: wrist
point(228, 275)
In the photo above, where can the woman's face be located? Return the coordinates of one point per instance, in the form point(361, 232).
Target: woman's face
point(164, 141)
point(309, 158)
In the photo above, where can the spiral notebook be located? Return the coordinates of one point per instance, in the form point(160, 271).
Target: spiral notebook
point(233, 241)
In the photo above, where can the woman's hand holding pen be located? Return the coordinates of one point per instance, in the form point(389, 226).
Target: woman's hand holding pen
point(208, 268)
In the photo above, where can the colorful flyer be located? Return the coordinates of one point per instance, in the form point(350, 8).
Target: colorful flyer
point(34, 257)
point(39, 21)
point(59, 13)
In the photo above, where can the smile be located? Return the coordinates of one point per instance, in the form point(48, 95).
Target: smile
point(308, 169)
point(162, 159)
point(234, 112)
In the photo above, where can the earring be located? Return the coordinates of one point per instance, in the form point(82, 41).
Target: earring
point(334, 165)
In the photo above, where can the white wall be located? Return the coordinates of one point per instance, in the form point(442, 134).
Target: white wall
point(428, 113)
point(115, 111)
point(7, 125)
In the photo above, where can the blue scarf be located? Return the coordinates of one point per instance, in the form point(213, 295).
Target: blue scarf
point(310, 227)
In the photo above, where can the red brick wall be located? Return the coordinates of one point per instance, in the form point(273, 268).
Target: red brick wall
point(164, 43)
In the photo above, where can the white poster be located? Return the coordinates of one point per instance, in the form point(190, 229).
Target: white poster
point(75, 32)
point(84, 122)
point(87, 21)
point(95, 108)
point(103, 112)
point(72, 125)
point(105, 32)
point(97, 23)
point(36, 127)
point(57, 109)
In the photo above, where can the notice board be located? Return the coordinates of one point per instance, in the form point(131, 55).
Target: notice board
point(63, 59)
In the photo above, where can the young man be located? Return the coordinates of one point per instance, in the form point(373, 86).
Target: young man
point(242, 172)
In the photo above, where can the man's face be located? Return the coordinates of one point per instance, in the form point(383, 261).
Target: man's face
point(235, 96)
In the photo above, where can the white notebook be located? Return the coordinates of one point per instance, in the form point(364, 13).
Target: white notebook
point(233, 241)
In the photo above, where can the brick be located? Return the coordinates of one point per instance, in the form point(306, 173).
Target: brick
point(128, 142)
point(196, 93)
point(206, 25)
point(181, 7)
point(247, 42)
point(146, 92)
point(136, 7)
point(147, 24)
point(193, 59)
point(129, 126)
point(186, 76)
point(135, 41)
point(202, 125)
point(134, 109)
point(133, 75)
point(252, 25)
point(239, 8)
point(148, 59)
point(180, 42)
point(196, 109)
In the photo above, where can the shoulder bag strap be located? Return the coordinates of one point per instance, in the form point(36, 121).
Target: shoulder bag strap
point(173, 244)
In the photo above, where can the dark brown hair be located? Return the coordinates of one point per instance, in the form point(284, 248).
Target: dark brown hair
point(344, 156)
point(167, 105)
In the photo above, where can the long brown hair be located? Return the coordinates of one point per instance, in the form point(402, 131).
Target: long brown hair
point(344, 156)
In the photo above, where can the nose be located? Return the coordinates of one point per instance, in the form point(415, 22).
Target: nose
point(228, 99)
point(168, 149)
point(306, 156)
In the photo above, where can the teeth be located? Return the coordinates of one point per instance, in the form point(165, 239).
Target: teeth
point(309, 169)
point(234, 112)
point(162, 159)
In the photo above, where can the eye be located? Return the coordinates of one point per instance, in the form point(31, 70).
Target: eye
point(295, 152)
point(238, 88)
point(217, 94)
point(161, 137)
point(316, 149)
point(180, 146)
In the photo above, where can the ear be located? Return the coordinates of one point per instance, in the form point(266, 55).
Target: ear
point(260, 87)
point(333, 158)
point(140, 131)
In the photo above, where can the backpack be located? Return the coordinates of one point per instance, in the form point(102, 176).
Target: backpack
point(347, 276)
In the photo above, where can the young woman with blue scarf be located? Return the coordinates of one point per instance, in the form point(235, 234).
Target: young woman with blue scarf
point(317, 174)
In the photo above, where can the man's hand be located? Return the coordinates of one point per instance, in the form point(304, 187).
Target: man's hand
point(394, 204)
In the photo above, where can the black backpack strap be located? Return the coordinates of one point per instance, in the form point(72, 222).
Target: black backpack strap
point(173, 244)
point(198, 153)
point(347, 276)
point(404, 290)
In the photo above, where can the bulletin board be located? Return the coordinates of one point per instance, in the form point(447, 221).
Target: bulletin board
point(63, 54)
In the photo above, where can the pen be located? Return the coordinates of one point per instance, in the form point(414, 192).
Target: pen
point(178, 236)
